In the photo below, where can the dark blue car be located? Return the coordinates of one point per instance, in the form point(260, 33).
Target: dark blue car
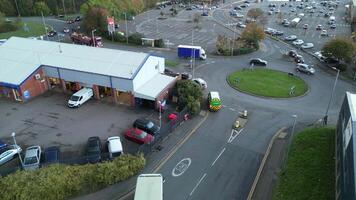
point(51, 155)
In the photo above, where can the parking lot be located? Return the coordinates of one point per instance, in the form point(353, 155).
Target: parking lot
point(47, 121)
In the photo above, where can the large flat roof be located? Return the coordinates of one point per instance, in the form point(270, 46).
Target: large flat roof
point(19, 57)
point(151, 89)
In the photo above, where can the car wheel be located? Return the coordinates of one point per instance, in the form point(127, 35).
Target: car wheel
point(297, 70)
point(308, 73)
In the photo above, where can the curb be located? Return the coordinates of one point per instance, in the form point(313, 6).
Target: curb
point(259, 172)
point(167, 156)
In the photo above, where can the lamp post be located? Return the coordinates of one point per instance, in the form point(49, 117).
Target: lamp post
point(127, 36)
point(291, 139)
point(13, 134)
point(331, 96)
point(92, 35)
point(294, 123)
point(17, 8)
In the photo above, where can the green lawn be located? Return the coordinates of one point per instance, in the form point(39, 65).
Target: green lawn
point(309, 173)
point(171, 63)
point(266, 82)
point(35, 29)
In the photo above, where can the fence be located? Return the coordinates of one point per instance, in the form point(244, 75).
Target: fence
point(164, 131)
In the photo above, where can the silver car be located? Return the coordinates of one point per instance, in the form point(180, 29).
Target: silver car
point(32, 158)
point(8, 153)
point(305, 69)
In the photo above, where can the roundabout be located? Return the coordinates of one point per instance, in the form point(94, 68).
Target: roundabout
point(267, 83)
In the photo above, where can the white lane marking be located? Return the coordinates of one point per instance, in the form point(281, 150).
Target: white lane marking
point(201, 179)
point(232, 109)
point(222, 151)
point(181, 167)
point(234, 134)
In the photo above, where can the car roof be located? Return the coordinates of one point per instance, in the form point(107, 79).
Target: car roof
point(31, 151)
point(214, 94)
point(115, 144)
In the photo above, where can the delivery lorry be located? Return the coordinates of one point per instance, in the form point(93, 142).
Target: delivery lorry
point(149, 187)
point(79, 38)
point(187, 51)
point(295, 21)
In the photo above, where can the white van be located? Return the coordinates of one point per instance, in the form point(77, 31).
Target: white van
point(332, 19)
point(80, 97)
point(114, 147)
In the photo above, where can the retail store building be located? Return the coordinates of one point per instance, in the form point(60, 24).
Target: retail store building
point(30, 67)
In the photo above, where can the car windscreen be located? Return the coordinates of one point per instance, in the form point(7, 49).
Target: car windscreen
point(143, 135)
point(30, 160)
point(150, 125)
point(74, 98)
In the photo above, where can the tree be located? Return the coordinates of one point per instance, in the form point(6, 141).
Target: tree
point(41, 7)
point(263, 20)
point(196, 19)
point(7, 8)
point(339, 48)
point(252, 34)
point(190, 95)
point(95, 18)
point(25, 7)
point(53, 6)
point(255, 13)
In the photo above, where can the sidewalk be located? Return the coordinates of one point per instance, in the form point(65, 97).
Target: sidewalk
point(154, 160)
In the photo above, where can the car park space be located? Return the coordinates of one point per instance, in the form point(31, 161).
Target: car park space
point(47, 121)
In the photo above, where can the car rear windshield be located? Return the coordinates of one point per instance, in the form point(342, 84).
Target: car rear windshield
point(30, 160)
point(74, 98)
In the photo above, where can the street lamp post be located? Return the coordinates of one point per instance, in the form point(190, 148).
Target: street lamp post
point(13, 134)
point(17, 8)
point(127, 36)
point(291, 139)
point(93, 38)
point(331, 96)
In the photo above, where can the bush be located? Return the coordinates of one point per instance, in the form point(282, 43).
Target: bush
point(189, 95)
point(64, 181)
point(135, 38)
point(239, 51)
point(341, 67)
point(7, 27)
point(116, 36)
point(159, 43)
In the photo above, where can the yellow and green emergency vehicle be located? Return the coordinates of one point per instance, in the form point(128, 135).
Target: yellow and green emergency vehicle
point(214, 101)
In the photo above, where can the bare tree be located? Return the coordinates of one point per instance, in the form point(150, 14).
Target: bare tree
point(255, 13)
point(196, 19)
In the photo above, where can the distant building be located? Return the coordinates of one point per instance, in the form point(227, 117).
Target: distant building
point(30, 67)
point(345, 162)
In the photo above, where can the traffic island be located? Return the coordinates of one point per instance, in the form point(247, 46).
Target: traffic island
point(267, 83)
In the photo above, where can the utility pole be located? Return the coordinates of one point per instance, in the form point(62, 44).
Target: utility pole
point(331, 96)
point(93, 38)
point(44, 24)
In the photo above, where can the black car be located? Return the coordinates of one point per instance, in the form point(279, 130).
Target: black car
point(78, 19)
point(292, 53)
point(278, 33)
point(147, 126)
point(299, 59)
point(51, 155)
point(70, 21)
point(258, 61)
point(170, 72)
point(186, 76)
point(94, 149)
point(52, 33)
point(237, 8)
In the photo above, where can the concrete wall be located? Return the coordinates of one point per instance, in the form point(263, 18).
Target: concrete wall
point(150, 68)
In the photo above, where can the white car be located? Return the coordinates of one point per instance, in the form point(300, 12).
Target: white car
point(8, 153)
point(32, 158)
point(114, 147)
point(298, 42)
point(291, 38)
point(307, 45)
point(238, 15)
point(301, 15)
point(200, 82)
point(324, 33)
point(319, 56)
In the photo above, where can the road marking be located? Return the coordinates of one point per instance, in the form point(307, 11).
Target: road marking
point(222, 151)
point(181, 167)
point(234, 134)
point(201, 179)
point(232, 109)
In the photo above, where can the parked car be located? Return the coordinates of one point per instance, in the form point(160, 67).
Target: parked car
point(32, 158)
point(324, 33)
point(319, 27)
point(286, 24)
point(298, 42)
point(307, 45)
point(291, 38)
point(299, 59)
point(205, 14)
point(114, 147)
point(80, 97)
point(258, 61)
point(52, 33)
point(203, 85)
point(292, 53)
point(93, 149)
point(305, 68)
point(170, 72)
point(305, 26)
point(147, 126)
point(138, 136)
point(333, 26)
point(278, 33)
point(65, 30)
point(9, 152)
point(237, 8)
point(2, 144)
point(186, 76)
point(51, 155)
point(241, 25)
point(320, 56)
point(70, 21)
point(270, 31)
point(78, 19)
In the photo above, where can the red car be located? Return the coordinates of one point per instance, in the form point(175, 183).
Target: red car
point(139, 136)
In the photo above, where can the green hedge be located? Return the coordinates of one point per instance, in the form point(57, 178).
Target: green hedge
point(135, 38)
point(7, 27)
point(240, 51)
point(58, 181)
